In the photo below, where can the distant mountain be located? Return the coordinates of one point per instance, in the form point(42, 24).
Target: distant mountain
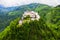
point(23, 7)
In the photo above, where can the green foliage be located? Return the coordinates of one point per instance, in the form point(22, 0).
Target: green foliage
point(43, 10)
point(47, 28)
point(53, 21)
point(6, 18)
point(34, 30)
point(9, 28)
point(54, 16)
point(27, 17)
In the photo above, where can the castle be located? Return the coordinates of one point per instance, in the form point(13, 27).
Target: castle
point(33, 16)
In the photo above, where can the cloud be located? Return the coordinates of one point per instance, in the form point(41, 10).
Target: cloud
point(8, 3)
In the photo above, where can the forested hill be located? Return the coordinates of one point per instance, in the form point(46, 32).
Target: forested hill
point(10, 13)
point(48, 29)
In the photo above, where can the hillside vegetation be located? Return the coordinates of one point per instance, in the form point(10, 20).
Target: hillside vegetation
point(47, 28)
point(11, 13)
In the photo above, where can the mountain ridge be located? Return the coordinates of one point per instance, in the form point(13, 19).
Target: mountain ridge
point(6, 16)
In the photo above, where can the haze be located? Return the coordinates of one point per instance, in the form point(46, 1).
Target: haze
point(9, 3)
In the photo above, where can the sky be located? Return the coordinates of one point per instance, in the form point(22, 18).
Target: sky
point(9, 3)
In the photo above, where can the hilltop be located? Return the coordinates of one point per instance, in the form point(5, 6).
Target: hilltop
point(10, 13)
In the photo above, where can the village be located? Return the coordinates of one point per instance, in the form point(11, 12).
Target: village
point(31, 14)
